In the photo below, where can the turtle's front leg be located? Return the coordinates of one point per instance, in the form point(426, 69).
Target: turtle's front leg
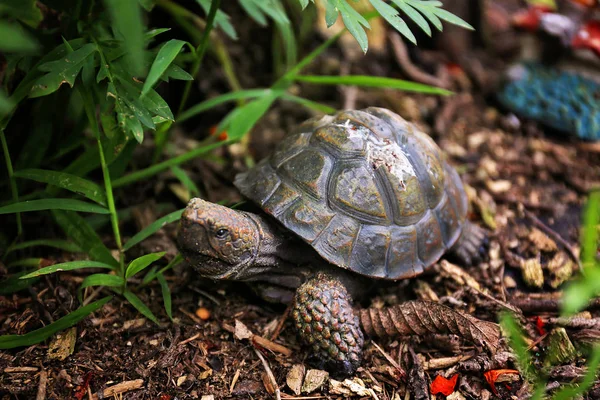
point(325, 320)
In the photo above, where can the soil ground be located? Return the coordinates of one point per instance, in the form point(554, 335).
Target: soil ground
point(527, 187)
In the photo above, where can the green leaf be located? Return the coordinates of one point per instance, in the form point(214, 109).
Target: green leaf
point(241, 120)
point(16, 40)
point(166, 294)
point(353, 24)
point(28, 339)
point(372, 81)
point(166, 55)
point(304, 4)
point(429, 13)
point(66, 181)
point(414, 15)
point(224, 98)
point(152, 228)
point(53, 204)
point(453, 19)
point(140, 306)
point(140, 263)
point(185, 180)
point(6, 105)
point(127, 20)
point(221, 19)
point(176, 72)
point(102, 280)
point(56, 243)
point(309, 103)
point(15, 284)
point(517, 343)
point(392, 16)
point(26, 11)
point(61, 71)
point(81, 233)
point(67, 266)
point(331, 12)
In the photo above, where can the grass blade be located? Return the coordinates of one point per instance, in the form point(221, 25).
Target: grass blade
point(372, 81)
point(140, 306)
point(141, 263)
point(185, 180)
point(77, 228)
point(55, 243)
point(313, 105)
point(67, 266)
point(224, 98)
point(102, 280)
point(241, 120)
point(152, 228)
point(28, 339)
point(166, 55)
point(66, 181)
point(166, 294)
point(53, 204)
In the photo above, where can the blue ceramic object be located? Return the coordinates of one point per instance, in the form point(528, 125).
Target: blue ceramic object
point(562, 100)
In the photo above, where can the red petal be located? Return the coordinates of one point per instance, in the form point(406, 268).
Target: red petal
point(443, 385)
point(492, 375)
point(539, 324)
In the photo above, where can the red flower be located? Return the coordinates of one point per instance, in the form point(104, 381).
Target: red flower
point(530, 19)
point(588, 37)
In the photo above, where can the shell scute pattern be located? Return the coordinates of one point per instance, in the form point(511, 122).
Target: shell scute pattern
point(366, 189)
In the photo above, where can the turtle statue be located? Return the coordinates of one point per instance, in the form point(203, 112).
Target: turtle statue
point(348, 199)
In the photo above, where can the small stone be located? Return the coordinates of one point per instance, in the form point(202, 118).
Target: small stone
point(62, 344)
point(531, 270)
point(295, 377)
point(315, 378)
point(560, 348)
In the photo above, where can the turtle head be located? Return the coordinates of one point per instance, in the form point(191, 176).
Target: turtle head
point(217, 241)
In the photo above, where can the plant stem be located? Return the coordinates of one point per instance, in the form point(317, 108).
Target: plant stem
point(110, 200)
point(13, 183)
point(200, 51)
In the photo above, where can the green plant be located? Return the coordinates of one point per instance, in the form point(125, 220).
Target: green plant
point(90, 79)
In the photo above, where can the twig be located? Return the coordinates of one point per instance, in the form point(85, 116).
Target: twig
point(191, 339)
point(262, 342)
point(9, 370)
point(41, 393)
point(269, 374)
point(119, 388)
point(390, 360)
point(234, 380)
point(281, 322)
point(445, 362)
point(553, 234)
point(408, 67)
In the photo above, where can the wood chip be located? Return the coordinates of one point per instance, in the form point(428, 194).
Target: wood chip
point(14, 370)
point(119, 388)
point(62, 344)
point(531, 270)
point(542, 241)
point(41, 393)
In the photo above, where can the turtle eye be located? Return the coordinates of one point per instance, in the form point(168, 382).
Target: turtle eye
point(221, 233)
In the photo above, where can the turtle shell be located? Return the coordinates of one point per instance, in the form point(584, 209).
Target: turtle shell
point(366, 189)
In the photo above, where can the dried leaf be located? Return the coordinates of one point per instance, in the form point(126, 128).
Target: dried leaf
point(315, 378)
point(443, 385)
point(493, 376)
point(349, 387)
point(295, 377)
point(62, 345)
point(420, 317)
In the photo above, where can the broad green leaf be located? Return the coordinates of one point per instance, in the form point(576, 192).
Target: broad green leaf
point(372, 81)
point(102, 280)
point(331, 13)
point(429, 13)
point(215, 101)
point(127, 20)
point(66, 181)
point(166, 55)
point(61, 71)
point(15, 284)
point(176, 72)
point(140, 263)
point(140, 306)
point(392, 16)
point(56, 243)
point(166, 294)
point(77, 228)
point(67, 266)
point(243, 118)
point(53, 204)
point(26, 11)
point(185, 180)
point(221, 19)
point(33, 337)
point(413, 15)
point(16, 40)
point(152, 228)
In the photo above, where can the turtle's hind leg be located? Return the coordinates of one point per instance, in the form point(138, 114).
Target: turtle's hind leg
point(471, 245)
point(325, 320)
